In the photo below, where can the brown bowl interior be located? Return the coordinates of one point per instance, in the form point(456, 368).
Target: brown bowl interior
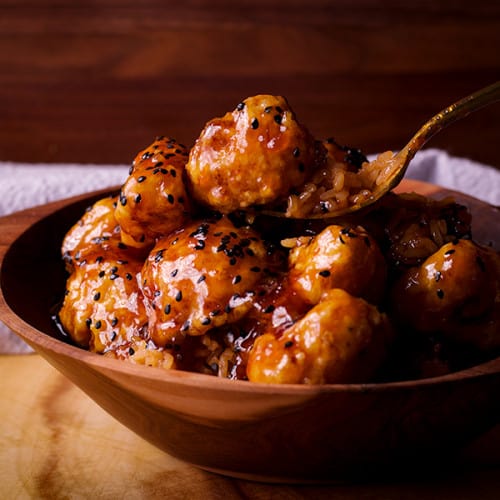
point(272, 433)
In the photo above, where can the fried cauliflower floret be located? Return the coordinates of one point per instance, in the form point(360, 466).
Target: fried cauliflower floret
point(201, 277)
point(338, 257)
point(103, 306)
point(97, 227)
point(153, 200)
point(251, 156)
point(343, 339)
point(455, 291)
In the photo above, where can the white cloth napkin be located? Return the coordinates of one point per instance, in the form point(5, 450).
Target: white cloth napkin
point(27, 185)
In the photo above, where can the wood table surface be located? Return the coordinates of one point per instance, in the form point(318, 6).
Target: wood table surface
point(57, 443)
point(97, 81)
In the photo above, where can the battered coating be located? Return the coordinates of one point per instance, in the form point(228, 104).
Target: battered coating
point(201, 277)
point(251, 156)
point(96, 228)
point(338, 257)
point(153, 200)
point(455, 291)
point(342, 339)
point(103, 308)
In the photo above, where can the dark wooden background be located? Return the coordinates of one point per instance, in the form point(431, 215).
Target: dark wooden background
point(96, 80)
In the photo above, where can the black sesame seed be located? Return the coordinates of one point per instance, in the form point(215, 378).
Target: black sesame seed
point(178, 297)
point(113, 277)
point(128, 276)
point(215, 312)
point(200, 245)
point(113, 335)
point(255, 269)
point(278, 119)
point(142, 178)
point(240, 106)
point(170, 198)
point(173, 172)
point(206, 321)
point(114, 321)
point(449, 252)
point(437, 276)
point(88, 322)
point(440, 293)
point(254, 123)
point(98, 324)
point(167, 309)
point(159, 255)
point(138, 198)
point(268, 109)
point(228, 309)
point(131, 351)
point(232, 261)
point(174, 273)
point(101, 274)
point(269, 309)
point(185, 326)
point(341, 239)
point(325, 273)
point(288, 344)
point(97, 296)
point(296, 152)
point(236, 279)
point(201, 278)
point(123, 199)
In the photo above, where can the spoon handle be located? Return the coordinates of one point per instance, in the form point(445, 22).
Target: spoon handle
point(449, 115)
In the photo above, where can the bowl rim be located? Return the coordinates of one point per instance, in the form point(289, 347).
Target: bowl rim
point(42, 342)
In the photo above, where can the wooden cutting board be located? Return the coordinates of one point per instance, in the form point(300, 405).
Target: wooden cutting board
point(57, 443)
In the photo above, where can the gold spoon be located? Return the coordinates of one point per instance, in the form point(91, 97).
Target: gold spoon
point(397, 165)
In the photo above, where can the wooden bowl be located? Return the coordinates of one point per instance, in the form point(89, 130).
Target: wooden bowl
point(286, 433)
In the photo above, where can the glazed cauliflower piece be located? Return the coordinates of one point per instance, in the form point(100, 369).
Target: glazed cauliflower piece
point(251, 156)
point(201, 277)
point(455, 292)
point(153, 201)
point(96, 228)
point(103, 308)
point(338, 257)
point(343, 339)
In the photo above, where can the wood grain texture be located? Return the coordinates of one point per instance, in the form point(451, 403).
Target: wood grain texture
point(55, 442)
point(97, 81)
